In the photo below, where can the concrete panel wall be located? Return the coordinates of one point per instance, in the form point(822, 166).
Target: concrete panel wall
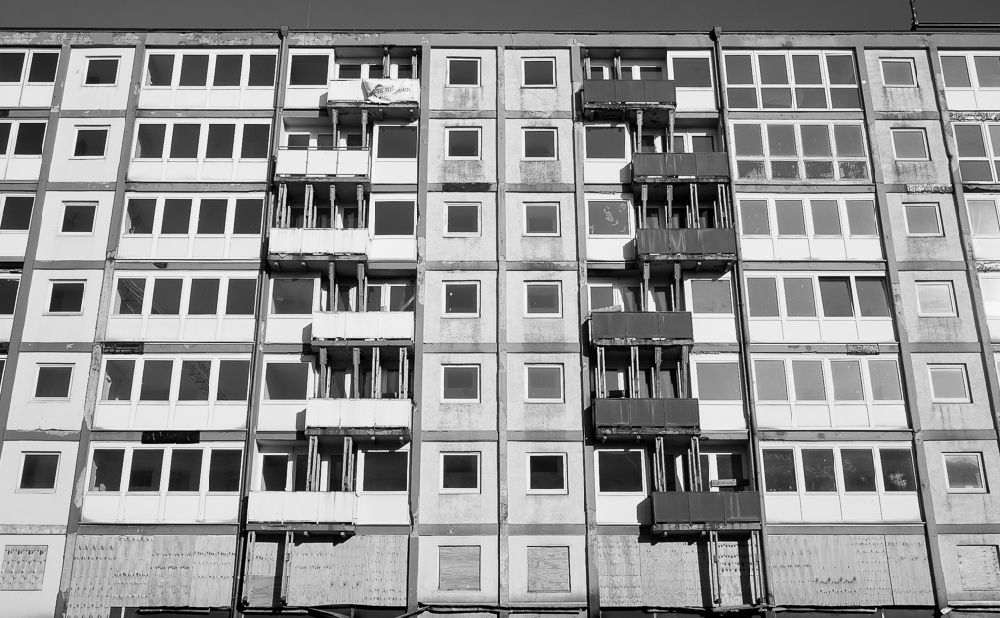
point(959, 328)
point(937, 415)
point(930, 248)
point(462, 248)
point(549, 99)
point(29, 412)
point(554, 508)
point(437, 506)
point(428, 575)
point(483, 169)
point(934, 170)
point(36, 507)
point(522, 328)
point(438, 327)
point(901, 99)
point(41, 325)
point(69, 168)
point(541, 248)
point(54, 244)
point(524, 416)
point(970, 566)
point(446, 97)
point(439, 416)
point(534, 172)
point(963, 508)
point(38, 603)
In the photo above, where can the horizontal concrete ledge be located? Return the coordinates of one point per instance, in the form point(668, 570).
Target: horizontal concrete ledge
point(968, 528)
point(51, 346)
point(480, 529)
point(802, 187)
point(943, 347)
point(714, 348)
point(458, 436)
point(815, 266)
point(205, 113)
point(846, 529)
point(461, 114)
point(546, 529)
point(287, 348)
point(31, 529)
point(236, 435)
point(931, 265)
point(91, 113)
point(157, 529)
point(985, 434)
point(195, 187)
point(627, 530)
point(462, 187)
point(544, 436)
point(800, 115)
point(388, 188)
point(819, 348)
point(552, 187)
point(41, 435)
point(905, 115)
point(28, 112)
point(382, 530)
point(20, 186)
point(199, 348)
point(69, 265)
point(525, 114)
point(241, 265)
point(606, 188)
point(821, 435)
point(80, 186)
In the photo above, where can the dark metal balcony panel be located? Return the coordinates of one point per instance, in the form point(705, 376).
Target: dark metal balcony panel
point(709, 243)
point(607, 93)
point(646, 417)
point(680, 166)
point(628, 327)
point(673, 511)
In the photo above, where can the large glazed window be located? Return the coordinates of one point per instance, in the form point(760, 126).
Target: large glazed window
point(801, 80)
point(800, 151)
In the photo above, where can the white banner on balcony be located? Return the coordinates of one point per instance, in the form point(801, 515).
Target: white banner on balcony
point(391, 90)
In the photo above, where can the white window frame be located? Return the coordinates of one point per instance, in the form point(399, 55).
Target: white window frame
point(447, 218)
point(643, 470)
point(900, 59)
point(996, 210)
point(129, 449)
point(377, 137)
point(562, 383)
point(83, 298)
point(479, 72)
point(15, 131)
point(460, 490)
point(524, 218)
point(524, 144)
point(444, 299)
point(557, 285)
point(299, 51)
point(85, 127)
point(69, 390)
point(800, 158)
point(479, 143)
point(20, 472)
point(200, 157)
point(550, 59)
point(94, 205)
point(770, 204)
point(360, 479)
point(543, 492)
point(29, 55)
point(992, 157)
point(779, 277)
point(686, 54)
point(3, 205)
point(970, 64)
point(213, 55)
point(829, 386)
point(374, 201)
point(479, 382)
point(630, 209)
point(949, 367)
point(224, 277)
point(924, 284)
point(937, 213)
point(613, 125)
point(86, 70)
point(177, 362)
point(196, 199)
point(923, 136)
point(838, 467)
point(790, 72)
point(965, 490)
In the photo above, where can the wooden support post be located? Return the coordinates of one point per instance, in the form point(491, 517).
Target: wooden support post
point(310, 464)
point(677, 286)
point(310, 208)
point(634, 370)
point(345, 465)
point(248, 566)
point(322, 390)
point(659, 463)
point(618, 64)
point(289, 543)
point(362, 282)
point(376, 392)
point(385, 61)
point(404, 375)
point(399, 369)
point(349, 449)
point(364, 129)
point(638, 130)
point(335, 121)
point(362, 209)
point(682, 385)
point(670, 130)
point(670, 206)
point(356, 373)
point(331, 298)
point(600, 381)
point(645, 197)
point(654, 391)
point(644, 304)
point(715, 575)
point(696, 454)
point(414, 68)
point(282, 214)
point(692, 209)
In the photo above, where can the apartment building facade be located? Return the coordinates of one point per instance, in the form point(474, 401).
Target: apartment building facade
point(316, 323)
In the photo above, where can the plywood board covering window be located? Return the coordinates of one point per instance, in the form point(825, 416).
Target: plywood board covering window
point(548, 569)
point(23, 567)
point(458, 567)
point(978, 567)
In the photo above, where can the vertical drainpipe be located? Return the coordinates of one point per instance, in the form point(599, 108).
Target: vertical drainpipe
point(750, 410)
point(256, 360)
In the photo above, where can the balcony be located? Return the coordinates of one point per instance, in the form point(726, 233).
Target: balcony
point(358, 417)
point(363, 325)
point(317, 241)
point(274, 509)
point(680, 166)
point(374, 92)
point(627, 93)
point(637, 327)
point(703, 245)
point(678, 511)
point(645, 417)
point(317, 163)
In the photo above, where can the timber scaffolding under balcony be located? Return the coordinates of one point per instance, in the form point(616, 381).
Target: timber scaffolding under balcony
point(617, 98)
point(694, 228)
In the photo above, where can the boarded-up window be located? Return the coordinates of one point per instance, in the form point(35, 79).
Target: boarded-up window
point(458, 567)
point(548, 569)
point(23, 567)
point(978, 567)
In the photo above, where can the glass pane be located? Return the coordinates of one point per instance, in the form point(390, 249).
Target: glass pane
point(769, 375)
point(11, 66)
point(130, 295)
point(541, 218)
point(194, 70)
point(791, 220)
point(160, 69)
point(815, 140)
point(308, 71)
point(16, 213)
point(779, 470)
point(542, 298)
point(835, 293)
point(185, 470)
point(176, 216)
point(241, 298)
point(808, 378)
point(763, 296)
point(872, 299)
point(708, 296)
point(806, 69)
point(461, 383)
point(461, 298)
point(463, 72)
point(396, 142)
point(935, 298)
point(292, 297)
point(922, 219)
point(781, 140)
point(204, 297)
point(255, 140)
point(861, 217)
point(619, 472)
point(745, 98)
point(140, 214)
point(964, 471)
point(859, 469)
point(460, 471)
point(748, 140)
point(799, 299)
point(719, 381)
point(194, 380)
point(274, 472)
point(897, 470)
point(898, 72)
point(825, 217)
point(43, 68)
point(949, 383)
point(118, 374)
point(847, 381)
point(29, 138)
point(234, 380)
point(970, 140)
point(540, 144)
point(212, 216)
point(840, 68)
point(909, 144)
point(693, 72)
point(776, 98)
point(184, 144)
point(983, 217)
point(106, 470)
point(147, 467)
point(261, 70)
point(849, 140)
point(156, 376)
point(393, 218)
point(66, 297)
point(286, 381)
point(78, 218)
point(818, 470)
point(546, 472)
point(544, 382)
point(956, 72)
point(540, 72)
point(884, 376)
point(166, 297)
point(988, 71)
point(247, 218)
point(739, 69)
point(224, 470)
point(773, 69)
point(221, 138)
point(385, 471)
point(606, 142)
point(463, 143)
point(228, 68)
point(810, 98)
point(401, 297)
point(608, 218)
point(753, 217)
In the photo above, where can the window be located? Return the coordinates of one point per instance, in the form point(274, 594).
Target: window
point(544, 383)
point(219, 144)
point(542, 299)
point(462, 143)
point(897, 470)
point(762, 294)
point(227, 70)
point(541, 219)
point(461, 219)
point(396, 142)
point(935, 299)
point(156, 378)
point(781, 151)
point(711, 296)
point(964, 472)
point(461, 298)
point(234, 380)
point(16, 215)
point(242, 297)
point(185, 470)
point(91, 142)
point(691, 72)
point(754, 218)
point(463, 72)
point(956, 72)
point(718, 381)
point(184, 141)
point(606, 142)
point(779, 470)
point(393, 218)
point(149, 141)
point(460, 472)
point(539, 144)
point(884, 376)
point(818, 470)
point(459, 567)
point(29, 138)
point(792, 80)
point(949, 384)
point(922, 219)
point(286, 381)
point(389, 296)
point(101, 72)
point(910, 144)
point(858, 466)
point(261, 73)
point(78, 218)
point(66, 297)
point(292, 296)
point(621, 472)
point(8, 295)
point(308, 70)
point(548, 569)
point(247, 216)
point(546, 473)
point(224, 470)
point(130, 292)
point(983, 218)
point(159, 70)
point(42, 66)
point(538, 72)
point(118, 379)
point(106, 470)
point(166, 297)
point(38, 471)
point(608, 218)
point(460, 383)
point(194, 70)
point(255, 140)
point(146, 471)
point(978, 155)
point(898, 72)
point(385, 471)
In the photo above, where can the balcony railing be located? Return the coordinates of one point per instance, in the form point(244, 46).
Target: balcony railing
point(358, 416)
point(677, 510)
point(626, 327)
point(317, 241)
point(616, 93)
point(319, 162)
point(645, 417)
point(680, 166)
point(367, 325)
point(315, 507)
point(380, 92)
point(709, 243)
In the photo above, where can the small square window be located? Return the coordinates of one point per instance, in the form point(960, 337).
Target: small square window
point(30, 136)
point(544, 383)
point(159, 70)
point(66, 297)
point(606, 142)
point(53, 381)
point(936, 299)
point(286, 381)
point(910, 144)
point(463, 72)
point(91, 142)
point(461, 219)
point(393, 217)
point(541, 219)
point(11, 67)
point(949, 384)
point(43, 67)
point(194, 70)
point(538, 73)
point(78, 218)
point(460, 383)
point(547, 569)
point(462, 143)
point(396, 142)
point(261, 73)
point(983, 218)
point(16, 215)
point(539, 144)
point(106, 470)
point(101, 72)
point(38, 471)
point(460, 473)
point(898, 73)
point(308, 70)
point(461, 298)
point(542, 299)
point(546, 473)
point(922, 219)
point(149, 141)
point(964, 472)
point(621, 472)
point(609, 218)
